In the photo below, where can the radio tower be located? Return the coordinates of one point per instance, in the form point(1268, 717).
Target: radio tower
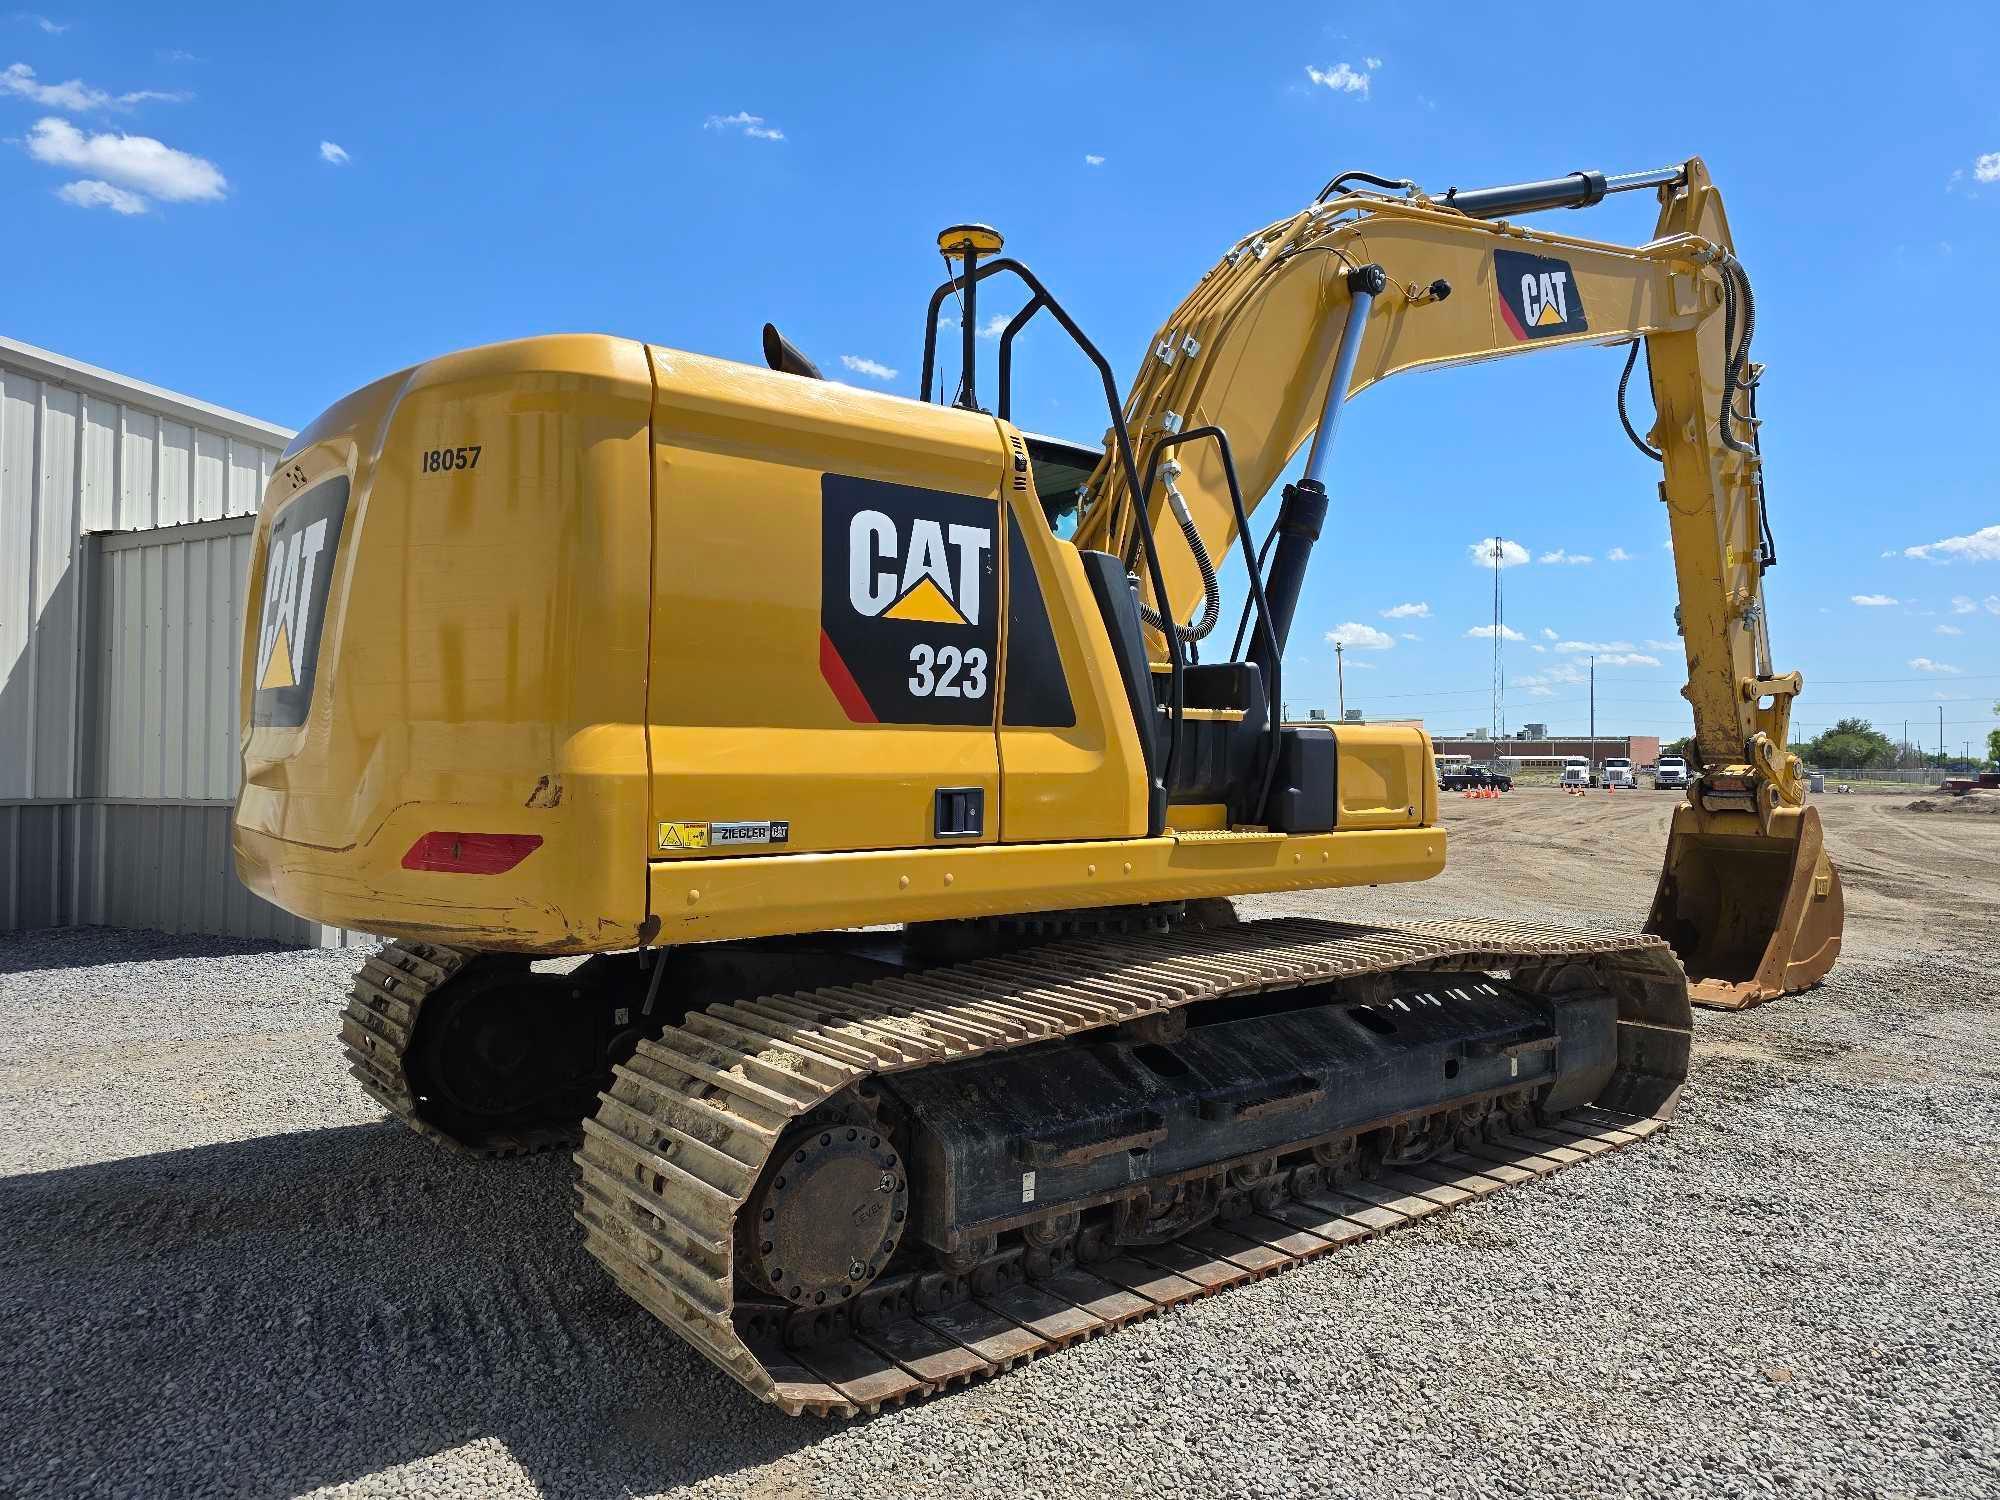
point(1499, 725)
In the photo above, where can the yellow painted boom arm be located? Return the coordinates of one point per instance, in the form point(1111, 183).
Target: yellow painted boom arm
point(1251, 351)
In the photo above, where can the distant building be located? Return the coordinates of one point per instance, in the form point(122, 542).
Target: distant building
point(1533, 732)
point(1640, 749)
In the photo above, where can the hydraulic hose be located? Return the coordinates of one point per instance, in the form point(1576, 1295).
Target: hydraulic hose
point(1630, 431)
point(1735, 352)
point(1211, 589)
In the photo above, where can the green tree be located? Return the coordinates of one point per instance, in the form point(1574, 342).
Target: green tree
point(1683, 747)
point(1850, 743)
point(1993, 740)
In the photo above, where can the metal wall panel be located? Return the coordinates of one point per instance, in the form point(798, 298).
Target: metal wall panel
point(118, 653)
point(122, 864)
point(81, 450)
point(164, 661)
point(38, 865)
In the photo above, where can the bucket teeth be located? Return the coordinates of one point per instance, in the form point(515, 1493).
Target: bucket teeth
point(681, 1138)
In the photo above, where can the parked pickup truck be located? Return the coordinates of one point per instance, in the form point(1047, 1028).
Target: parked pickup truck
point(1473, 778)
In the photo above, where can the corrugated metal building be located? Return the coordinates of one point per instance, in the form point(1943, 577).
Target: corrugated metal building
point(125, 521)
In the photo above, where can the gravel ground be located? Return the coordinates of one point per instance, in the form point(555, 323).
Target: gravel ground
point(222, 1273)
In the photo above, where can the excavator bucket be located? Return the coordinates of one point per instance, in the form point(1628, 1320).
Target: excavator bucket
point(1752, 914)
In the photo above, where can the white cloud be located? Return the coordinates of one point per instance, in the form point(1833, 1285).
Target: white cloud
point(1982, 545)
point(1483, 552)
point(137, 162)
point(1419, 611)
point(1992, 602)
point(1617, 554)
point(873, 368)
point(75, 94)
point(1409, 635)
point(1663, 645)
point(1960, 605)
point(1925, 664)
point(1372, 62)
point(1541, 649)
point(1874, 601)
point(1549, 635)
point(1341, 79)
point(1358, 665)
point(1592, 648)
point(333, 155)
point(53, 28)
point(90, 193)
point(992, 328)
point(1987, 168)
point(1563, 673)
point(1561, 556)
point(1949, 630)
point(1092, 159)
point(751, 125)
point(1358, 637)
point(1628, 659)
point(1485, 633)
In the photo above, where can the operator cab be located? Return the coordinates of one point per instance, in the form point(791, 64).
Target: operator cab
point(1060, 468)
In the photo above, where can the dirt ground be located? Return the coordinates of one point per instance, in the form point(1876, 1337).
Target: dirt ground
point(1911, 880)
point(223, 1272)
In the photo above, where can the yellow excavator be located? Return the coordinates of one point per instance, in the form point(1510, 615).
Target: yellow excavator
point(816, 802)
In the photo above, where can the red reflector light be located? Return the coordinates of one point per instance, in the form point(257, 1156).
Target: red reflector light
point(471, 853)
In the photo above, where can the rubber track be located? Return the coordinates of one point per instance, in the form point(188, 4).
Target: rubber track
point(380, 1020)
point(682, 1135)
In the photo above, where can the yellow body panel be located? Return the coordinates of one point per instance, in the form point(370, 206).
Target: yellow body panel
point(607, 632)
point(482, 662)
point(728, 898)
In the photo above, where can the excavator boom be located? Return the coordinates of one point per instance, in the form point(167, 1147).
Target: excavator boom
point(1747, 894)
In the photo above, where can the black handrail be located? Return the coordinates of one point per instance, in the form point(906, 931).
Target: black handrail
point(1021, 319)
point(1274, 695)
point(1156, 806)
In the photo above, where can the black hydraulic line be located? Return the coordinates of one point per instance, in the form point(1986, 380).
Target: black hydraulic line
point(1339, 184)
point(1735, 354)
point(1625, 379)
point(1273, 696)
point(1122, 439)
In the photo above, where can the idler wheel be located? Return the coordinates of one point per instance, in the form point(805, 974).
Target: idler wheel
point(827, 1215)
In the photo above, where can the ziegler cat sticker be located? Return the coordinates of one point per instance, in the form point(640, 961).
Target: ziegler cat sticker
point(909, 602)
point(1539, 297)
point(690, 836)
point(298, 570)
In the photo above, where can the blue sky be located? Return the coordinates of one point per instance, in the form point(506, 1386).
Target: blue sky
point(268, 206)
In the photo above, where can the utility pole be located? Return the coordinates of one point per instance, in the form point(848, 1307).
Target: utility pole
point(1593, 721)
point(1499, 552)
point(1340, 675)
point(1940, 732)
